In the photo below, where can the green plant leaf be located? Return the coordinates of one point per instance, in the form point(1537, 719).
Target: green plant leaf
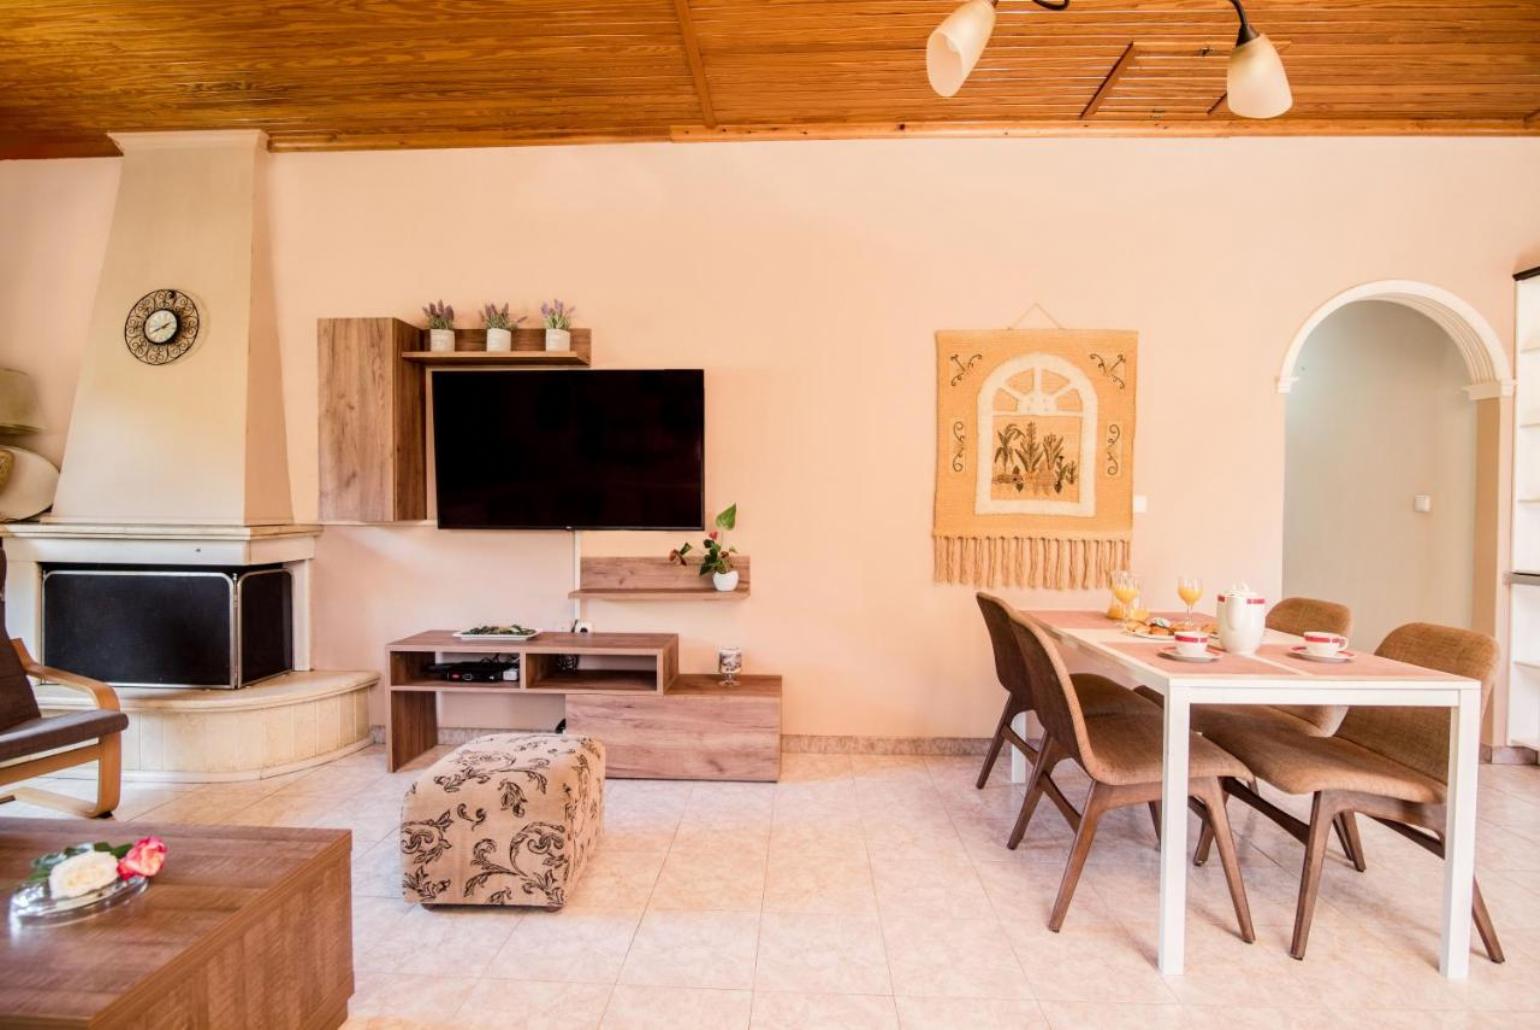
point(727, 518)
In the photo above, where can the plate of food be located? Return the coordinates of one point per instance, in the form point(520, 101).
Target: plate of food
point(1158, 627)
point(497, 634)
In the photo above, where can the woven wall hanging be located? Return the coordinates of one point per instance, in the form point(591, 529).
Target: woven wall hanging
point(1034, 463)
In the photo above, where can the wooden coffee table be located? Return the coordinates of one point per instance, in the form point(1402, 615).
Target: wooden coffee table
point(245, 926)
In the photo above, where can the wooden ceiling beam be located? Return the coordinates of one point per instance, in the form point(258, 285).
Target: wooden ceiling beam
point(1125, 61)
point(691, 43)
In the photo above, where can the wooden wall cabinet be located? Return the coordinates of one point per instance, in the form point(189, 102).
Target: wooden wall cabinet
point(373, 461)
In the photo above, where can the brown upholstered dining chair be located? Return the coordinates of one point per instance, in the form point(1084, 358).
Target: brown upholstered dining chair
point(1122, 756)
point(1096, 695)
point(1389, 763)
point(1295, 616)
point(32, 744)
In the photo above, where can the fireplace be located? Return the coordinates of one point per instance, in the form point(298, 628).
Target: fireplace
point(169, 626)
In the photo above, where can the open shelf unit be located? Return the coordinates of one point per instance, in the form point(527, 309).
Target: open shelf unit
point(626, 691)
point(1524, 592)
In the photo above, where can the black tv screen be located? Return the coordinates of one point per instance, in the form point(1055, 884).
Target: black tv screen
point(569, 449)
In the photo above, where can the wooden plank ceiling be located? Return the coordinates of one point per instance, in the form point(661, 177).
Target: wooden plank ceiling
point(345, 74)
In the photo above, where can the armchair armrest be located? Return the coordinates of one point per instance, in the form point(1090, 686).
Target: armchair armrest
point(104, 696)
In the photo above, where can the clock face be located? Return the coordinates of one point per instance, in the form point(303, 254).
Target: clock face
point(161, 327)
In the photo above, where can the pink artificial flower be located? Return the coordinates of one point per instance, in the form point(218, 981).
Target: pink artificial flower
point(143, 859)
point(713, 534)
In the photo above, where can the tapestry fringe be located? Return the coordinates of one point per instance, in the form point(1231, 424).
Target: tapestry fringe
point(1051, 563)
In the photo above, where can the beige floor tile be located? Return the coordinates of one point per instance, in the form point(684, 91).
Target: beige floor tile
point(210, 806)
point(634, 1007)
point(375, 921)
point(576, 947)
point(433, 1000)
point(817, 881)
point(1083, 1015)
point(716, 879)
point(1023, 894)
point(973, 1013)
point(693, 949)
point(1083, 965)
point(811, 768)
point(949, 957)
point(377, 872)
point(533, 1005)
point(944, 888)
point(821, 953)
point(774, 1010)
point(616, 880)
point(443, 940)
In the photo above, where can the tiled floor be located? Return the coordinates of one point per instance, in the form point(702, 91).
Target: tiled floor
point(877, 892)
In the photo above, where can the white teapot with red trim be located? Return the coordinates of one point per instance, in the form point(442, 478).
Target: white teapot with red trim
point(1242, 620)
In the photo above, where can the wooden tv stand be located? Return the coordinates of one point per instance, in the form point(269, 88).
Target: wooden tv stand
point(655, 723)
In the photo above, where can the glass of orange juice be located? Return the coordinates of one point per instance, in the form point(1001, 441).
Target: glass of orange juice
point(1125, 588)
point(1189, 589)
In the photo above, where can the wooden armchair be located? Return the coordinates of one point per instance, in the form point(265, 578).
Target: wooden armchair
point(32, 744)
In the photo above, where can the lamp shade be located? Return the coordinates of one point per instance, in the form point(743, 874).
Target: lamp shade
point(19, 411)
point(1257, 84)
point(955, 46)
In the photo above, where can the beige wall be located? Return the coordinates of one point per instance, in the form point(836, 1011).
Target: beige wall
point(1379, 415)
point(807, 279)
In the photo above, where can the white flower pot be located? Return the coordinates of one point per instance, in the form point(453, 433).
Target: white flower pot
point(499, 339)
point(558, 339)
point(441, 340)
point(725, 581)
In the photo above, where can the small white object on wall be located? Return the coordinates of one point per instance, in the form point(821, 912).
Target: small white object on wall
point(1422, 503)
point(1141, 504)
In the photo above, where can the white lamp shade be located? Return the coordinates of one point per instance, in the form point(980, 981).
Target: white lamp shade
point(955, 46)
point(1257, 84)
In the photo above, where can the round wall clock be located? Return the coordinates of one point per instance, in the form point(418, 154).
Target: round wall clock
point(161, 326)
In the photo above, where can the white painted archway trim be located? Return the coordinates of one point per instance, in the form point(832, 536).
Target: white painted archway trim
point(1483, 352)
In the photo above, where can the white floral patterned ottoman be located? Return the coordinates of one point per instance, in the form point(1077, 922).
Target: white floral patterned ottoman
point(508, 819)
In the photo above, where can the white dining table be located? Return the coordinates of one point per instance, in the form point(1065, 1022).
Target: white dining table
point(1269, 678)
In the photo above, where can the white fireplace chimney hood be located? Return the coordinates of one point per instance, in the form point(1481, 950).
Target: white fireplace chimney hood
point(197, 440)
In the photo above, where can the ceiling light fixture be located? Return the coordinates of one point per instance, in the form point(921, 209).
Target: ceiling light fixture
point(1257, 85)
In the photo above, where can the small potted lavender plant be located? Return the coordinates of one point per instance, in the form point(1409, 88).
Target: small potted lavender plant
point(441, 326)
point(499, 327)
point(558, 325)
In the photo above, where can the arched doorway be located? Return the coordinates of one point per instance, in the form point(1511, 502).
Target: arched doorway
point(1395, 404)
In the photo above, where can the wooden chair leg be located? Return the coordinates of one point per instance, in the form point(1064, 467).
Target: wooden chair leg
point(109, 775)
point(1321, 819)
point(1070, 813)
point(1484, 925)
point(1205, 843)
point(1046, 755)
point(1217, 828)
point(1095, 805)
point(996, 744)
point(1346, 825)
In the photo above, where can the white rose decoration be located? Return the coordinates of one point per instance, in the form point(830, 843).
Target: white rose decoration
point(82, 874)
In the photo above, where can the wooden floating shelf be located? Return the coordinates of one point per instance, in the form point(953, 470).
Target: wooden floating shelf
point(654, 579)
point(739, 594)
point(528, 349)
point(490, 359)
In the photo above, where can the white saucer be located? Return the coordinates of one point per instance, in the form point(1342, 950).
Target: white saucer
point(1171, 653)
point(1298, 651)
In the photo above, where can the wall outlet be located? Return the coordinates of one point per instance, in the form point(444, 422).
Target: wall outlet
point(1141, 504)
point(1422, 503)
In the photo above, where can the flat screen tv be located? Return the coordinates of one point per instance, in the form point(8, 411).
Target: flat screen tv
point(569, 449)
